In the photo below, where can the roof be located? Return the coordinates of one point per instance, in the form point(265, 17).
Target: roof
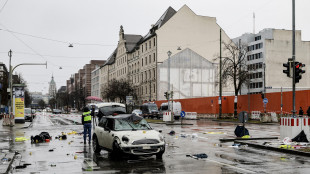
point(99, 105)
point(111, 59)
point(161, 21)
point(131, 41)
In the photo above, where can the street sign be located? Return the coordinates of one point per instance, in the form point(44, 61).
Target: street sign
point(129, 100)
point(183, 114)
point(265, 101)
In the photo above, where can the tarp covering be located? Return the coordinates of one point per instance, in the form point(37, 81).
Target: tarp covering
point(301, 137)
point(240, 132)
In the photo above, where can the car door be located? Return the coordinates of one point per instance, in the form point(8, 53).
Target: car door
point(100, 130)
point(107, 134)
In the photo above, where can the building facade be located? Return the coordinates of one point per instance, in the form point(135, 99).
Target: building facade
point(137, 58)
point(267, 51)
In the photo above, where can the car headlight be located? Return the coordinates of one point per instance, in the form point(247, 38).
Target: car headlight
point(125, 139)
point(161, 138)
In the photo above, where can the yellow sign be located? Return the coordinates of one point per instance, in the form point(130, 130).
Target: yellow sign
point(19, 107)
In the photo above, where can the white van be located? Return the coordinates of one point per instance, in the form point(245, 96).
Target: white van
point(176, 108)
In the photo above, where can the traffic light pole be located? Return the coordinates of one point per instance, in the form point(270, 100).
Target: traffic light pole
point(293, 54)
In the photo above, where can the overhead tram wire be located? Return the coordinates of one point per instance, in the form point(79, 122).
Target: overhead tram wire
point(3, 5)
point(29, 47)
point(54, 40)
point(70, 57)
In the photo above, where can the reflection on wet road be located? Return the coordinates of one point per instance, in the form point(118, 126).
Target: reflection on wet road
point(71, 156)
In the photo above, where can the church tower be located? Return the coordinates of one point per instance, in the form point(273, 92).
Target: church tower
point(52, 88)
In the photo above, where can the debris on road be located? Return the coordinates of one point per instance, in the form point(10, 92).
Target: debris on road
point(240, 131)
point(171, 132)
point(20, 139)
point(214, 133)
point(42, 137)
point(198, 156)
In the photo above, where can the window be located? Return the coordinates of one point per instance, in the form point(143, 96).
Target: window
point(258, 38)
point(154, 88)
point(145, 46)
point(154, 42)
point(154, 57)
point(145, 60)
point(142, 48)
point(150, 44)
point(150, 59)
point(142, 61)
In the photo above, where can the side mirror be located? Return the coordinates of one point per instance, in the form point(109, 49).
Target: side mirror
point(107, 129)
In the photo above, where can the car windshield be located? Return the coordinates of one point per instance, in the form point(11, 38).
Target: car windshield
point(129, 124)
point(137, 111)
point(153, 107)
point(27, 111)
point(164, 107)
point(109, 110)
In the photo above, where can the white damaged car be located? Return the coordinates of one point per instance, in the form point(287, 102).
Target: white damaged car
point(129, 134)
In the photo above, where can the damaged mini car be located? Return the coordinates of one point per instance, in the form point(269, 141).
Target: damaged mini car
point(127, 134)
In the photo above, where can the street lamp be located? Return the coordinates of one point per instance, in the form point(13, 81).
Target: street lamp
point(169, 93)
point(11, 80)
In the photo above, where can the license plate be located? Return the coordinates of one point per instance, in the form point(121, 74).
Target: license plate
point(146, 147)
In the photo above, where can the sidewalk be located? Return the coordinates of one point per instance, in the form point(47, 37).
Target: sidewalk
point(7, 156)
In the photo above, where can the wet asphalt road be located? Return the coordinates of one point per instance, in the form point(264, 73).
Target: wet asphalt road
point(71, 156)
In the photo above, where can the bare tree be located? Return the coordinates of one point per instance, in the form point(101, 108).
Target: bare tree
point(118, 89)
point(234, 68)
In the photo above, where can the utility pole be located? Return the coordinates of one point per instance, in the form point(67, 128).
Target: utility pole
point(293, 54)
point(220, 98)
point(150, 90)
point(265, 86)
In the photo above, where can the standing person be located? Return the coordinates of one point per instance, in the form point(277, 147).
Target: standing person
point(301, 112)
point(308, 111)
point(86, 121)
point(93, 113)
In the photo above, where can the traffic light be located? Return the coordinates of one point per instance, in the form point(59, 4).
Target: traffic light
point(166, 95)
point(263, 95)
point(298, 71)
point(288, 71)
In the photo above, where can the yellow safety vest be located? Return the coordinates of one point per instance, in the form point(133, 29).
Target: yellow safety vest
point(87, 116)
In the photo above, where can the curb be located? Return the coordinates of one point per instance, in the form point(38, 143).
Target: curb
point(293, 152)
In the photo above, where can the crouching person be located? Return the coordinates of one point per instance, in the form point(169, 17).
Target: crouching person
point(86, 121)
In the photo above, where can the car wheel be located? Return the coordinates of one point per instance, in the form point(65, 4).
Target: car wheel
point(116, 151)
point(96, 145)
point(159, 155)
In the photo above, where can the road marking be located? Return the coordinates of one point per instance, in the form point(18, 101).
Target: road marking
point(248, 171)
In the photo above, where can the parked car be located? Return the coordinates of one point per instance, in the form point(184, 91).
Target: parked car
point(175, 107)
point(73, 110)
point(106, 109)
point(127, 134)
point(149, 110)
point(29, 114)
point(137, 112)
point(56, 111)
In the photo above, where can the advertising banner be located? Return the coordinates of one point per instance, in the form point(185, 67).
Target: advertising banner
point(19, 104)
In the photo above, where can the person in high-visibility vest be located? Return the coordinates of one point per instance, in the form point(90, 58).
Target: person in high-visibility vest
point(86, 121)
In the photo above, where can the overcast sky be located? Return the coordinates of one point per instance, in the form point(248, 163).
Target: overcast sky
point(41, 30)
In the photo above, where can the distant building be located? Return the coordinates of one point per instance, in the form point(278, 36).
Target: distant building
point(3, 84)
point(62, 89)
point(267, 51)
point(52, 88)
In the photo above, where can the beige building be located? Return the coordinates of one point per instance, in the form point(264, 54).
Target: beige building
point(137, 58)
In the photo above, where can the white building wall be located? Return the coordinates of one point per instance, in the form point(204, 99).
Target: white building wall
point(191, 76)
